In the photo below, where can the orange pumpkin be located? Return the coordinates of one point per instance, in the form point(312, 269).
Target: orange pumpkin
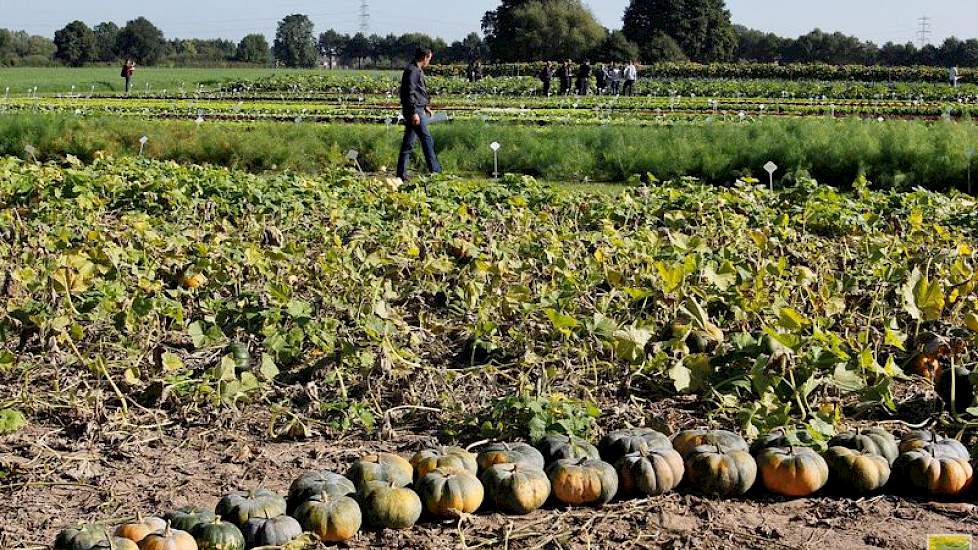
point(168, 539)
point(586, 481)
point(930, 472)
point(792, 471)
point(137, 530)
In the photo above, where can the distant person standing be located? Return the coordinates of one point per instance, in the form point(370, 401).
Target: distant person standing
point(602, 79)
point(615, 79)
point(631, 75)
point(565, 77)
point(546, 76)
point(478, 70)
point(583, 78)
point(416, 110)
point(954, 77)
point(127, 70)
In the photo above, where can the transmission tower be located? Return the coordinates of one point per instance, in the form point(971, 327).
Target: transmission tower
point(924, 32)
point(364, 17)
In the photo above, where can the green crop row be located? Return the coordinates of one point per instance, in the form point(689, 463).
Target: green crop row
point(899, 154)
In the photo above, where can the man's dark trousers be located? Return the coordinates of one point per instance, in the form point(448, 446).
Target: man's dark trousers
point(412, 134)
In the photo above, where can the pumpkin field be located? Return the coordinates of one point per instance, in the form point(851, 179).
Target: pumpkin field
point(173, 332)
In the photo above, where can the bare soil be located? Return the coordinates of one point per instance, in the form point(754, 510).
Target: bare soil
point(59, 476)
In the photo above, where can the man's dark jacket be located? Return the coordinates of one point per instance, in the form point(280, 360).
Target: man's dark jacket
point(414, 94)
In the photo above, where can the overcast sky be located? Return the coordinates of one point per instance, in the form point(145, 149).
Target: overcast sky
point(876, 20)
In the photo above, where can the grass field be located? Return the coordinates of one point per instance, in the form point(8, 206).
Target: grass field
point(106, 79)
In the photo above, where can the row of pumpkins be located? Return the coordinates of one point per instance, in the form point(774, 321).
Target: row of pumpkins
point(517, 478)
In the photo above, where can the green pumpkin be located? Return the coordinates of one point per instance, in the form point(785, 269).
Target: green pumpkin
point(782, 438)
point(188, 517)
point(387, 506)
point(934, 443)
point(583, 482)
point(556, 447)
point(619, 443)
point(218, 535)
point(856, 472)
point(650, 473)
point(426, 460)
point(687, 441)
point(333, 518)
point(515, 489)
point(448, 492)
point(240, 506)
point(722, 471)
point(270, 531)
point(873, 440)
point(91, 537)
point(312, 483)
point(81, 537)
point(383, 467)
point(242, 358)
point(509, 453)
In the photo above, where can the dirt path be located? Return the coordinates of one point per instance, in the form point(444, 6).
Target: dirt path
point(57, 478)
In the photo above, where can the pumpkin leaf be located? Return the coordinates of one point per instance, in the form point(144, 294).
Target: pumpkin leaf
point(11, 420)
point(171, 362)
point(923, 299)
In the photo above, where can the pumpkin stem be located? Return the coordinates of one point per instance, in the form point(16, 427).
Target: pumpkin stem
point(168, 532)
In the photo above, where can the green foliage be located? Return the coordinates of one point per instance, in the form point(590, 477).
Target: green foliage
point(253, 49)
point(555, 29)
point(140, 41)
point(11, 420)
point(106, 35)
point(76, 44)
point(896, 154)
point(524, 416)
point(754, 301)
point(701, 28)
point(541, 29)
point(295, 45)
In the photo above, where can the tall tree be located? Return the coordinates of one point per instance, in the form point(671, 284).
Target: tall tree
point(701, 28)
point(618, 48)
point(252, 49)
point(332, 41)
point(105, 38)
point(75, 44)
point(522, 30)
point(142, 41)
point(358, 48)
point(294, 44)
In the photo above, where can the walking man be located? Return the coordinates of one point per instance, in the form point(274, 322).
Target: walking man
point(416, 110)
point(954, 76)
point(546, 76)
point(631, 75)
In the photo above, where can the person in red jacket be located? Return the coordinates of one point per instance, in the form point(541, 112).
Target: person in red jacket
point(127, 70)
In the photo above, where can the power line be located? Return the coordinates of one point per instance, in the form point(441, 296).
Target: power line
point(364, 17)
point(924, 32)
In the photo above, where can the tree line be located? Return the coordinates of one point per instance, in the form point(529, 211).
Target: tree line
point(686, 30)
point(516, 31)
point(295, 45)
